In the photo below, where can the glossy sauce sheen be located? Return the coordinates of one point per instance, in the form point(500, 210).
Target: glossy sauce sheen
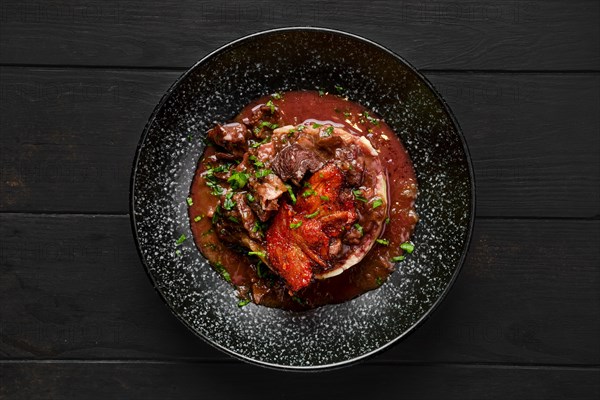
point(374, 269)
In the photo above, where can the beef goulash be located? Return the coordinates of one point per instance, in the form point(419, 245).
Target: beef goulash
point(304, 199)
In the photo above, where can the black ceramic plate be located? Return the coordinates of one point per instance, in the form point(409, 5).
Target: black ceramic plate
point(215, 89)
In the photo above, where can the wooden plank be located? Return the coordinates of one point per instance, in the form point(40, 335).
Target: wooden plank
point(234, 380)
point(533, 138)
point(73, 288)
point(484, 34)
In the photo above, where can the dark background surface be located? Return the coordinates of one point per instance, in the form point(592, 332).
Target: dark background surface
point(80, 319)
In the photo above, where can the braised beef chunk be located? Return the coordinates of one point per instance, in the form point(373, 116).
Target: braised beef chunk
point(233, 137)
point(247, 217)
point(293, 161)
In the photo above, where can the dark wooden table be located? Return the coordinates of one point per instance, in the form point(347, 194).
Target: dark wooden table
point(79, 319)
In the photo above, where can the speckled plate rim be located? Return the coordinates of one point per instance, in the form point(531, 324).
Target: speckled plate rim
point(417, 323)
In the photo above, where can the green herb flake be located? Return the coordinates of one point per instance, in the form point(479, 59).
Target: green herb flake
point(379, 281)
point(300, 128)
point(359, 228)
point(216, 214)
point(181, 239)
point(321, 92)
point(347, 114)
point(250, 197)
point(407, 247)
point(377, 203)
point(197, 218)
point(383, 242)
point(397, 258)
point(228, 203)
point(259, 269)
point(325, 198)
point(269, 125)
point(271, 106)
point(339, 88)
point(257, 163)
point(291, 193)
point(260, 254)
point(316, 126)
point(387, 220)
point(277, 96)
point(261, 173)
point(221, 270)
point(178, 252)
point(296, 225)
point(327, 131)
point(358, 195)
point(233, 219)
point(243, 302)
point(238, 179)
point(314, 214)
point(308, 192)
point(189, 201)
point(298, 300)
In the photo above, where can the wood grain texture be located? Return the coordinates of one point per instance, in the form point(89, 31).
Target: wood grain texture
point(483, 34)
point(73, 288)
point(225, 381)
point(69, 140)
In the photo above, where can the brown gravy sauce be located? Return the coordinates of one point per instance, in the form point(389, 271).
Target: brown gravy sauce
point(241, 270)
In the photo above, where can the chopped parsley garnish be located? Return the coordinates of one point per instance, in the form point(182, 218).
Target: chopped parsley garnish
point(269, 125)
point(387, 220)
point(216, 214)
point(221, 269)
point(257, 163)
point(397, 258)
point(383, 242)
point(328, 131)
point(238, 179)
point(243, 302)
point(259, 269)
point(379, 281)
point(358, 195)
point(359, 228)
point(325, 198)
point(316, 126)
point(347, 114)
point(372, 120)
point(216, 189)
point(197, 218)
point(258, 144)
point(300, 128)
point(271, 106)
point(261, 173)
point(377, 203)
point(291, 193)
point(260, 254)
point(180, 240)
point(233, 219)
point(189, 201)
point(321, 92)
point(250, 197)
point(257, 227)
point(277, 96)
point(298, 300)
point(178, 252)
point(312, 215)
point(407, 247)
point(228, 203)
point(339, 88)
point(295, 225)
point(308, 192)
